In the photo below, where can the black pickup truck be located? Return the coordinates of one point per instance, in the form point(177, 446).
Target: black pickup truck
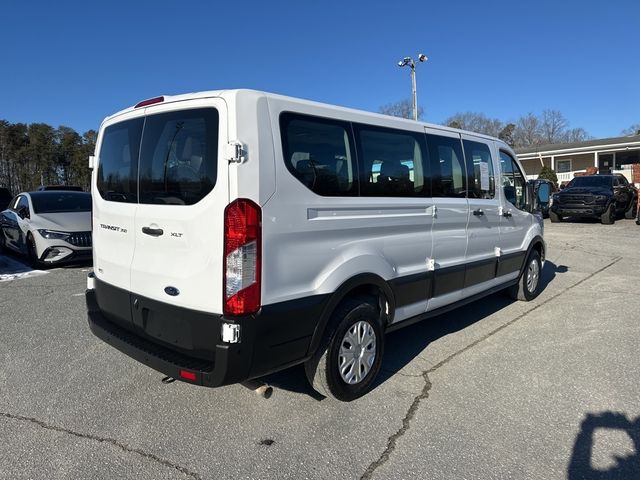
point(600, 196)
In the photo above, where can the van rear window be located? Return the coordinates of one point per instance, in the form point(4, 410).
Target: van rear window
point(118, 168)
point(178, 157)
point(166, 159)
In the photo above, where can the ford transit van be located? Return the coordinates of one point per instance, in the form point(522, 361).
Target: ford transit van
point(237, 233)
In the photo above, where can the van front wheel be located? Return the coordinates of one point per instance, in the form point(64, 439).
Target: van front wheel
point(350, 357)
point(528, 286)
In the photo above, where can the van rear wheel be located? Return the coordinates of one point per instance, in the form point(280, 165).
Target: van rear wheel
point(528, 286)
point(349, 359)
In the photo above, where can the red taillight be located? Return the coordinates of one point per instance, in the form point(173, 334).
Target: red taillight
point(150, 101)
point(187, 375)
point(242, 257)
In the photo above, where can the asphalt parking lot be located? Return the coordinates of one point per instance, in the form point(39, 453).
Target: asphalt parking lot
point(496, 389)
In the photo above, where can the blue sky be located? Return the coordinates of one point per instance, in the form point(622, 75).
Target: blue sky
point(72, 63)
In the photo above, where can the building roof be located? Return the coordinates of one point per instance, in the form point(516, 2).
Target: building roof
point(597, 144)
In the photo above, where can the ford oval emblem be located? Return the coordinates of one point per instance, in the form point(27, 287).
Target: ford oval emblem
point(173, 291)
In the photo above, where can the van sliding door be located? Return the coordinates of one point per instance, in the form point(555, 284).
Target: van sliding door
point(449, 231)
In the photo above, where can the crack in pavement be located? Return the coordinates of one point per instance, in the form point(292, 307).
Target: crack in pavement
point(424, 393)
point(97, 438)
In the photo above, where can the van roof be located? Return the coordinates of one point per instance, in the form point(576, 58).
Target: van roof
point(241, 92)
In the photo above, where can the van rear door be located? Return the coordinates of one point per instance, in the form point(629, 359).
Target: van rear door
point(183, 190)
point(115, 200)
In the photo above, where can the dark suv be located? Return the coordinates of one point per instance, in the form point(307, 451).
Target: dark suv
point(599, 196)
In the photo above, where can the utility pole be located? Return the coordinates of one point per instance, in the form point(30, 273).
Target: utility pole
point(408, 61)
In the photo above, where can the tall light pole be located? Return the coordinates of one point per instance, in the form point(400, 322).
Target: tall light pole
point(408, 61)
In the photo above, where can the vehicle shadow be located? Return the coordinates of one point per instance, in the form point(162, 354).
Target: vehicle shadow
point(580, 465)
point(403, 345)
point(12, 265)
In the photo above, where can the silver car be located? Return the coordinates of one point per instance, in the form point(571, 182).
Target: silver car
point(49, 227)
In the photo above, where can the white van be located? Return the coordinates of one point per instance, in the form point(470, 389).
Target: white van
point(237, 233)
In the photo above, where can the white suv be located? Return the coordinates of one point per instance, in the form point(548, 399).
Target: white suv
point(237, 233)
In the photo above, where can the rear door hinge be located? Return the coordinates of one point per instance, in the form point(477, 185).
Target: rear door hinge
point(235, 152)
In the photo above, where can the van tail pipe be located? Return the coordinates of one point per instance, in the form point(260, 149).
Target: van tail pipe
point(260, 388)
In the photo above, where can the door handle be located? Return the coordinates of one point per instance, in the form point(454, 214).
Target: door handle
point(154, 232)
point(478, 212)
point(507, 214)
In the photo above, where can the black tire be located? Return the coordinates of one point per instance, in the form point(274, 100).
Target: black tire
point(32, 253)
point(323, 369)
point(555, 218)
point(528, 286)
point(632, 211)
point(3, 247)
point(609, 216)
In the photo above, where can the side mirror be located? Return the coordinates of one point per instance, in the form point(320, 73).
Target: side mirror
point(544, 192)
point(542, 195)
point(23, 212)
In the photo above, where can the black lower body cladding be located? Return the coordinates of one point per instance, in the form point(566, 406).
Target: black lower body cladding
point(169, 339)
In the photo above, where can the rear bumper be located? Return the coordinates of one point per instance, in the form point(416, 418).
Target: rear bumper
point(170, 339)
point(210, 373)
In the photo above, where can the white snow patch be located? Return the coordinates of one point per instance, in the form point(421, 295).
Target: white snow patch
point(11, 269)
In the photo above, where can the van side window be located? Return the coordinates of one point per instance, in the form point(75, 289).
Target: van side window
point(514, 183)
point(447, 167)
point(179, 157)
point(392, 162)
point(118, 161)
point(479, 170)
point(319, 153)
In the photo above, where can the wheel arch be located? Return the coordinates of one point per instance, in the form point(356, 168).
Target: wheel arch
point(537, 243)
point(361, 284)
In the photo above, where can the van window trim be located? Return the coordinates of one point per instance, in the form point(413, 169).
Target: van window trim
point(424, 146)
point(515, 162)
point(288, 115)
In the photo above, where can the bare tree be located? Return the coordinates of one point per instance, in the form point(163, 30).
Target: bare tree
point(576, 135)
point(528, 131)
point(475, 122)
point(553, 126)
point(632, 130)
point(402, 108)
